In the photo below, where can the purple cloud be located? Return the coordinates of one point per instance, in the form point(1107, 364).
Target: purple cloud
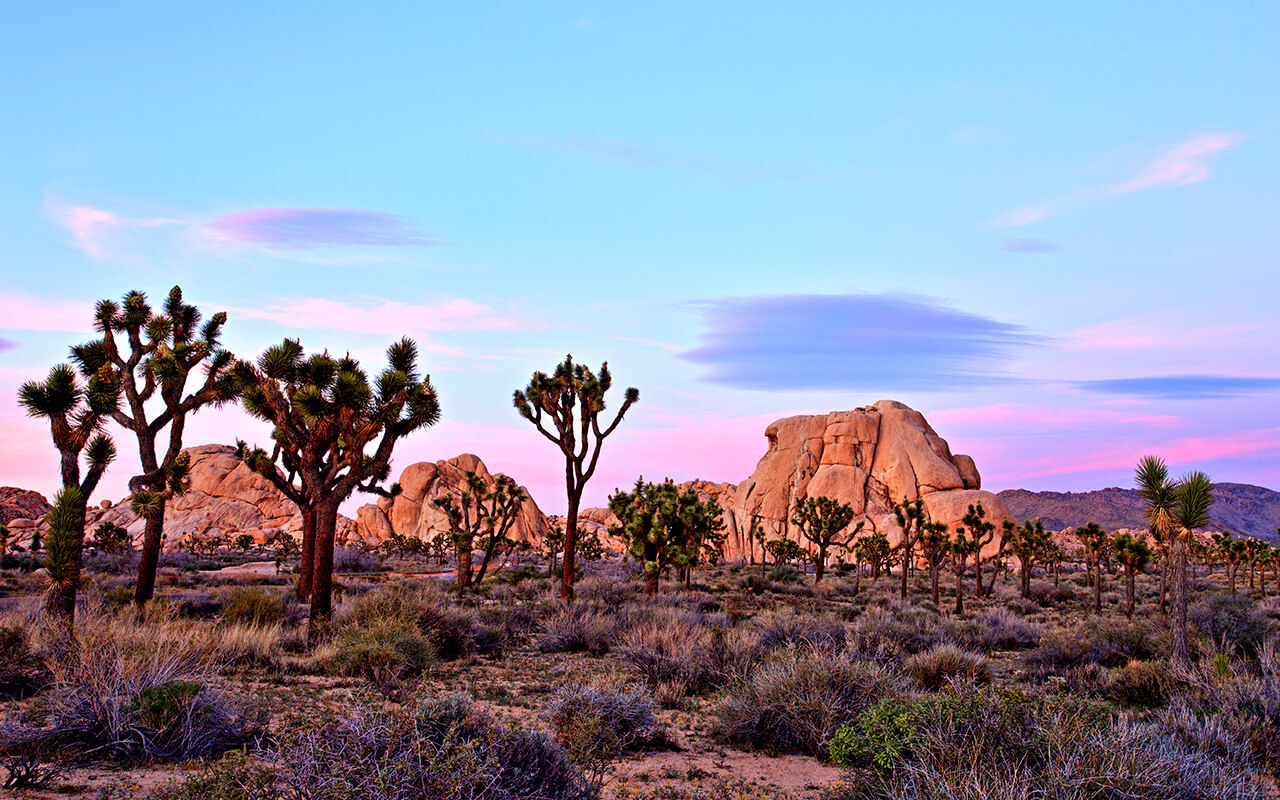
point(5, 344)
point(1030, 246)
point(857, 342)
point(1183, 387)
point(317, 227)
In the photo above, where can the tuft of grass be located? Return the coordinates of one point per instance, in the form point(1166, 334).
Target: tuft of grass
point(945, 664)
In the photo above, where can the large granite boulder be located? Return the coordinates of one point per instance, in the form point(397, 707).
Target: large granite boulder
point(412, 512)
point(867, 457)
point(21, 504)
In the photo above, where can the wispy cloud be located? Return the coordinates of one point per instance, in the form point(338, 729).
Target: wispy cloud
point(317, 227)
point(5, 344)
point(385, 317)
point(1182, 165)
point(29, 313)
point(86, 225)
point(853, 341)
point(1182, 387)
point(1030, 246)
point(630, 154)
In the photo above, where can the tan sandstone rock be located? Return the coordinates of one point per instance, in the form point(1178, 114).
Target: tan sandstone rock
point(412, 512)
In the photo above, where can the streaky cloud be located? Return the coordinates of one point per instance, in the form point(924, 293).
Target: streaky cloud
point(854, 342)
point(1182, 387)
point(6, 344)
point(304, 228)
point(1030, 246)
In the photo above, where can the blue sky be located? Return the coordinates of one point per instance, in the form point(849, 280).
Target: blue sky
point(1049, 229)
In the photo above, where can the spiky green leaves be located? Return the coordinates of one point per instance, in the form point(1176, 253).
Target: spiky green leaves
point(822, 519)
point(1193, 499)
point(66, 535)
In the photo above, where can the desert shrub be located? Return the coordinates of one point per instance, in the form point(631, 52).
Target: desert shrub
point(1000, 744)
point(252, 606)
point(782, 628)
point(604, 591)
point(384, 651)
point(900, 627)
point(22, 670)
point(142, 690)
point(596, 725)
point(793, 701)
point(1231, 622)
point(1000, 629)
point(784, 573)
point(878, 736)
point(428, 747)
point(451, 630)
point(355, 560)
point(945, 663)
point(578, 628)
point(117, 562)
point(1232, 709)
point(235, 776)
point(1141, 683)
point(1110, 643)
point(679, 652)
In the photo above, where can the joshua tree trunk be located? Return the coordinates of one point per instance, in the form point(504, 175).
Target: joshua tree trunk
point(820, 563)
point(1097, 587)
point(650, 577)
point(1129, 590)
point(464, 568)
point(933, 580)
point(326, 514)
point(1164, 579)
point(959, 595)
point(1180, 655)
point(570, 537)
point(307, 559)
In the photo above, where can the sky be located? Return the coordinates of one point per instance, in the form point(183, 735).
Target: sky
point(1048, 227)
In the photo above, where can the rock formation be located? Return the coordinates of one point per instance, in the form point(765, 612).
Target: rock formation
point(412, 513)
point(226, 499)
point(868, 458)
point(21, 504)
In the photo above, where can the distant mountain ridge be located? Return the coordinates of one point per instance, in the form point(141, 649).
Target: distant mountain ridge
point(1241, 508)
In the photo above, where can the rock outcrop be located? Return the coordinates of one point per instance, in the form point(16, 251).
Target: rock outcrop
point(226, 499)
point(867, 458)
point(21, 504)
point(412, 512)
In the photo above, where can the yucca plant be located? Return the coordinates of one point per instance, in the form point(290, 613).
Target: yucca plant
point(62, 553)
point(76, 412)
point(481, 511)
point(1193, 499)
point(1133, 553)
point(824, 520)
point(326, 414)
point(153, 363)
point(1157, 494)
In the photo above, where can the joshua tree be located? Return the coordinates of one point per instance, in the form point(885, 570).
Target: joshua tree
point(1157, 494)
point(784, 551)
point(911, 517)
point(155, 361)
point(572, 400)
point(961, 548)
point(326, 414)
point(553, 541)
point(935, 546)
point(874, 550)
point(76, 414)
point(1095, 542)
point(1133, 553)
point(1254, 548)
point(111, 538)
point(662, 526)
point(1232, 551)
point(822, 521)
point(1193, 499)
point(981, 531)
point(62, 553)
point(4, 542)
point(1028, 542)
point(483, 512)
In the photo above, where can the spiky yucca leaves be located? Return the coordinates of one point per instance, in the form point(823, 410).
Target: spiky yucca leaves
point(823, 520)
point(325, 415)
point(76, 412)
point(571, 401)
point(62, 553)
point(664, 527)
point(154, 362)
point(1157, 494)
point(1193, 498)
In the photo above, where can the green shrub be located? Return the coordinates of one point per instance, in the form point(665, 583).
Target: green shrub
point(384, 651)
point(784, 573)
point(1232, 623)
point(879, 736)
point(1141, 683)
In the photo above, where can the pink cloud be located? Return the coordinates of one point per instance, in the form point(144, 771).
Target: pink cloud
point(384, 317)
point(316, 227)
point(87, 225)
point(24, 312)
point(1181, 166)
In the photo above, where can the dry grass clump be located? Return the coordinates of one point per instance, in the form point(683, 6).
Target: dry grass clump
point(946, 663)
point(1109, 643)
point(436, 747)
point(596, 725)
point(1000, 629)
point(578, 628)
point(135, 690)
point(452, 630)
point(900, 628)
point(251, 605)
point(782, 628)
point(386, 651)
point(793, 701)
point(1232, 623)
point(22, 670)
point(1141, 683)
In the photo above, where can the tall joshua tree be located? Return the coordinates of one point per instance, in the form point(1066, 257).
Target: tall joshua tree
point(823, 521)
point(1192, 500)
point(935, 546)
point(76, 414)
point(565, 407)
point(1157, 494)
point(154, 361)
point(1133, 553)
point(326, 414)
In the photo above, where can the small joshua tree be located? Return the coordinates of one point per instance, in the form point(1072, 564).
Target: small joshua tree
point(981, 531)
point(1158, 495)
point(480, 512)
point(62, 553)
point(1096, 543)
point(961, 548)
point(155, 362)
point(910, 516)
point(874, 550)
point(935, 546)
point(1028, 542)
point(76, 414)
point(570, 401)
point(823, 521)
point(664, 527)
point(1133, 553)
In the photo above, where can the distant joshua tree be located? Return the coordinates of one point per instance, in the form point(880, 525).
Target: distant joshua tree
point(325, 414)
point(155, 361)
point(1133, 553)
point(911, 519)
point(664, 527)
point(1096, 547)
point(76, 414)
point(570, 401)
point(935, 547)
point(823, 521)
point(981, 531)
point(961, 548)
point(1029, 543)
point(483, 513)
